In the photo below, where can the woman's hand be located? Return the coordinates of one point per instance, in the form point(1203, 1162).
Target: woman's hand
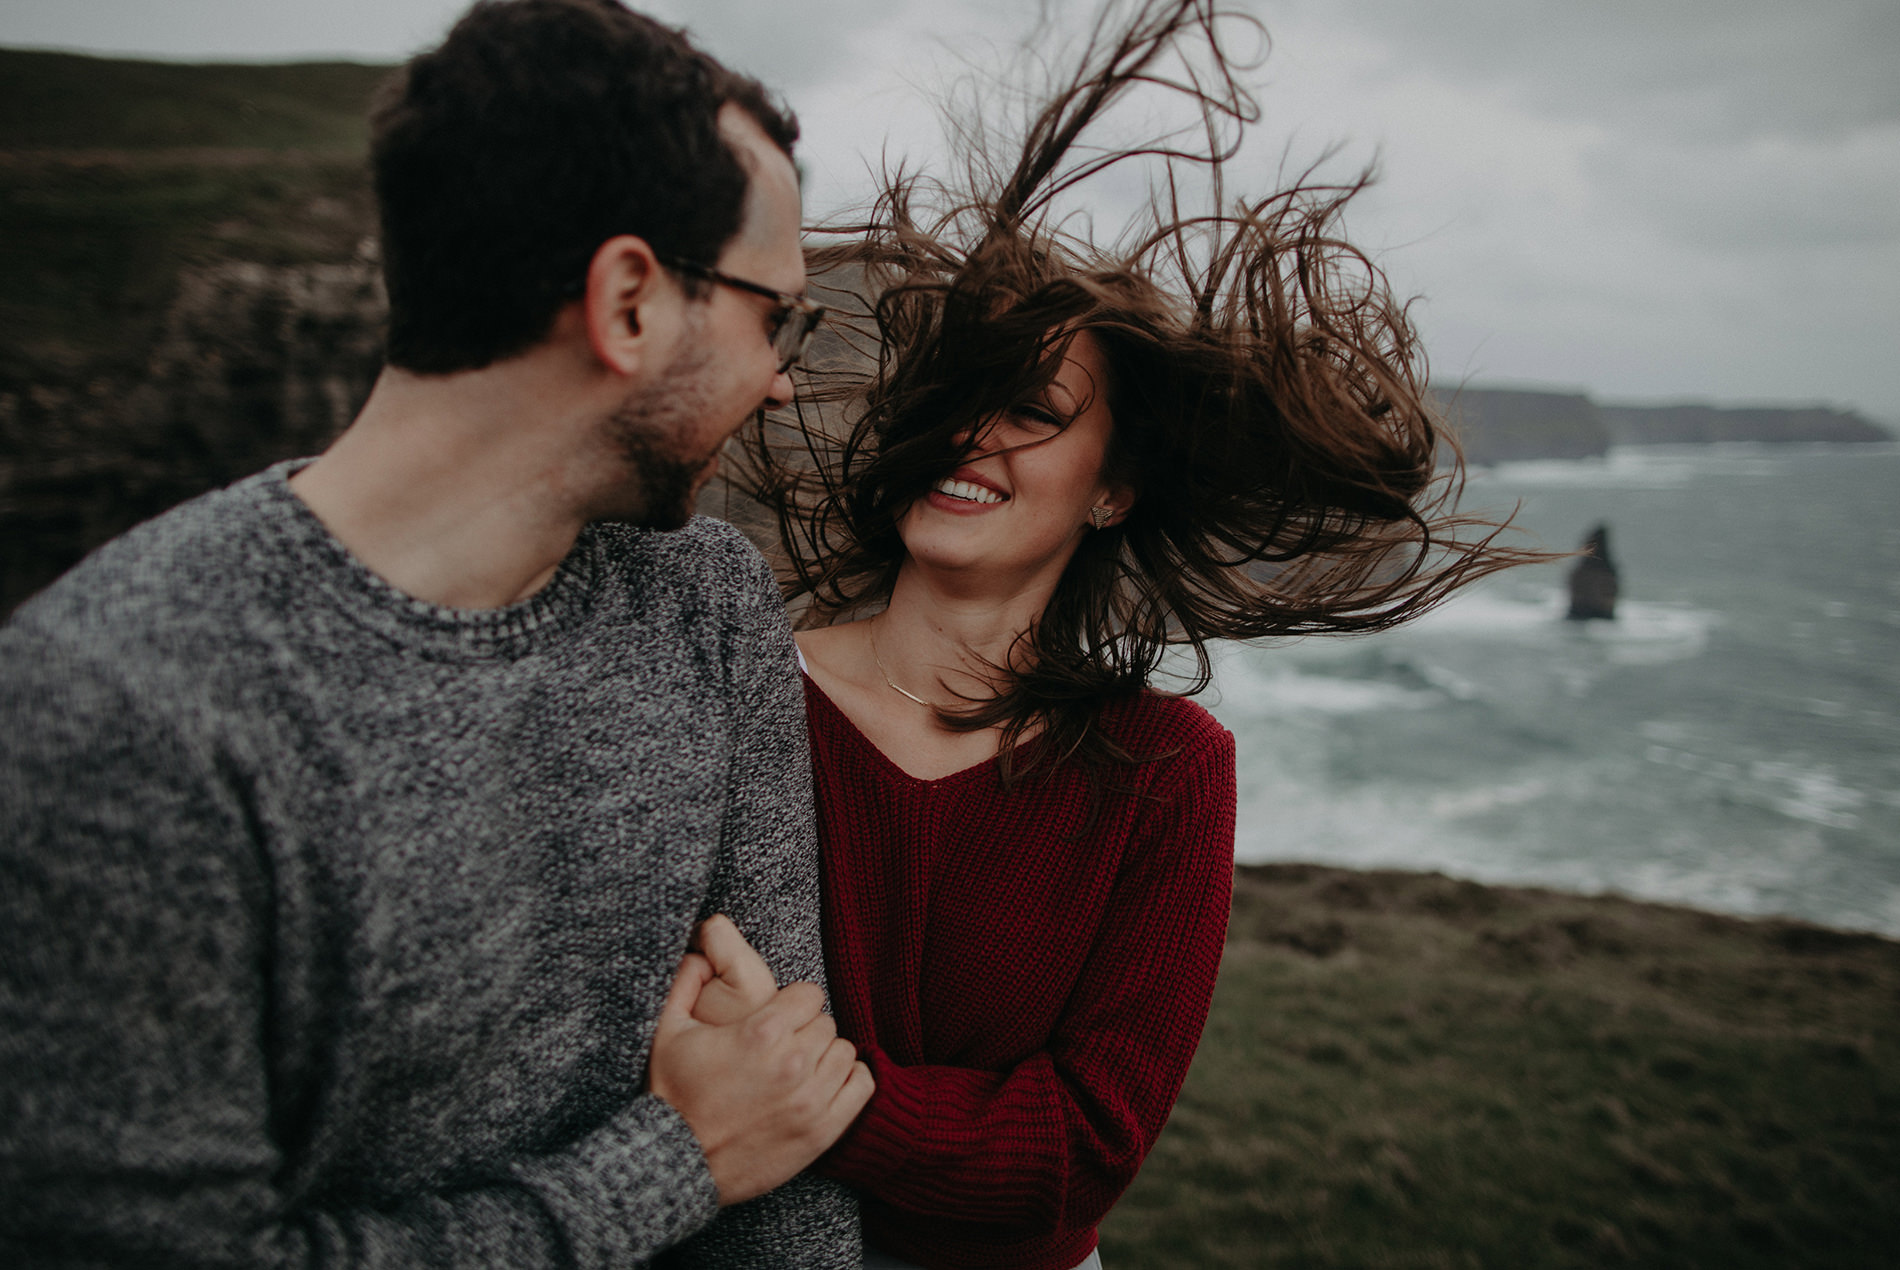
point(759, 1075)
point(737, 980)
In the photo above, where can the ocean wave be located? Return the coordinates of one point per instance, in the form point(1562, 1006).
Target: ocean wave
point(1814, 795)
point(1641, 467)
point(1644, 632)
point(1454, 830)
point(1483, 612)
point(1647, 633)
point(1250, 691)
point(1483, 646)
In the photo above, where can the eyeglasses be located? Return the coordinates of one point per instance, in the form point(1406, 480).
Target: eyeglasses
point(791, 323)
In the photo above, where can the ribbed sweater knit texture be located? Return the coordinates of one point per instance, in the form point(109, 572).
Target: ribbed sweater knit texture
point(1027, 986)
point(338, 924)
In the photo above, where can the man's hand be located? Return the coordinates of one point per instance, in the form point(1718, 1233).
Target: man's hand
point(761, 1076)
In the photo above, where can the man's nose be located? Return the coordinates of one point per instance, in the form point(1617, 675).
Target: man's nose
point(780, 394)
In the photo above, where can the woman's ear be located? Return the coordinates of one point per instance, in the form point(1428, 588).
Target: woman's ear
point(627, 298)
point(1116, 500)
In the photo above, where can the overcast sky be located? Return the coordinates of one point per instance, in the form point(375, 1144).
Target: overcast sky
point(1648, 199)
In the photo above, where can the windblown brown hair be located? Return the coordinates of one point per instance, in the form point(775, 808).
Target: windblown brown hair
point(1266, 389)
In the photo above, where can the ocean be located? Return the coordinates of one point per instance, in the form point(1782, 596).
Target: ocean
point(1731, 741)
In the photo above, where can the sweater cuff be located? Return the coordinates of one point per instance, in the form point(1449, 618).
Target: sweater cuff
point(881, 1142)
point(634, 1186)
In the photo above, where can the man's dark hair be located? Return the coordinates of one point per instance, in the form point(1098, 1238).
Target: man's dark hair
point(537, 131)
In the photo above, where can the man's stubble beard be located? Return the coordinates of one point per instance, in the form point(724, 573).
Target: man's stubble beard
point(652, 434)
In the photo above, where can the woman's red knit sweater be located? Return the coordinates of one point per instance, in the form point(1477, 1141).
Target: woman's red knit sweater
point(1027, 998)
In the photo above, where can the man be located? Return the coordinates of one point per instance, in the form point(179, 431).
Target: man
point(354, 819)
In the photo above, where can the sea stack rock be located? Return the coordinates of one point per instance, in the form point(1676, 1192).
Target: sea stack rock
point(1593, 580)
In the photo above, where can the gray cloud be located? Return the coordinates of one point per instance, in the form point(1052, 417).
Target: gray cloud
point(1766, 196)
point(1701, 68)
point(789, 46)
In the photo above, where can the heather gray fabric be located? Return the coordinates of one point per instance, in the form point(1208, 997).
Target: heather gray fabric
point(337, 924)
point(877, 1259)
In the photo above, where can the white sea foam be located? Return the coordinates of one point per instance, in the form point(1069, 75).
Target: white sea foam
point(1644, 467)
point(1301, 816)
point(1667, 731)
point(1387, 827)
point(1647, 634)
point(1642, 633)
point(1815, 795)
point(1248, 691)
point(1812, 794)
point(1741, 883)
point(1490, 612)
point(1453, 804)
point(1488, 646)
point(1620, 469)
point(1688, 761)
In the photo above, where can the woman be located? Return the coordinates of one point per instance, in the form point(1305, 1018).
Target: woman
point(1022, 945)
point(1063, 461)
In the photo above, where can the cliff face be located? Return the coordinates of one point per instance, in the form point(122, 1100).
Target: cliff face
point(1696, 424)
point(1500, 425)
point(254, 363)
point(186, 286)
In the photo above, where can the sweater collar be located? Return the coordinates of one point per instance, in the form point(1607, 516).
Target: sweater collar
point(429, 629)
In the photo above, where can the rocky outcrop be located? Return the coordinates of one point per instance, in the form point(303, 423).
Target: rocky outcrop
point(1593, 580)
point(254, 364)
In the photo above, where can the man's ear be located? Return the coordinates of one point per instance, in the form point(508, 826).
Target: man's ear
point(628, 305)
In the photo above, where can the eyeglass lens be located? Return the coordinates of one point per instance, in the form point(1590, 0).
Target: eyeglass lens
point(793, 334)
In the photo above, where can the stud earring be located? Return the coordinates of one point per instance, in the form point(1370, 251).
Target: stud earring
point(1099, 516)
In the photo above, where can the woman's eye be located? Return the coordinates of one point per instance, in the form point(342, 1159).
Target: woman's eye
point(1035, 416)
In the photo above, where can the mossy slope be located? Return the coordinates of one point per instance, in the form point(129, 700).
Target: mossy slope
point(1404, 1070)
point(117, 175)
point(63, 101)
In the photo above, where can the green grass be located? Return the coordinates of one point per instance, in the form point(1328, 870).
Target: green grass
point(1402, 1070)
point(69, 101)
point(117, 175)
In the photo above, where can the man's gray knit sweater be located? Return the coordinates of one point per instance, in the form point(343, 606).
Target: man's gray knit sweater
point(337, 924)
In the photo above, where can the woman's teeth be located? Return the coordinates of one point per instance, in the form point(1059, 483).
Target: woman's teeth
point(968, 490)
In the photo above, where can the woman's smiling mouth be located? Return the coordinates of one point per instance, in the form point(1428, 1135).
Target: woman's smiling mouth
point(968, 491)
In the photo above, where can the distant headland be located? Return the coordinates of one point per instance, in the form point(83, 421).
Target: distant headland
point(1502, 425)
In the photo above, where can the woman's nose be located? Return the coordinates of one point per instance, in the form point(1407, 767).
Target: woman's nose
point(981, 439)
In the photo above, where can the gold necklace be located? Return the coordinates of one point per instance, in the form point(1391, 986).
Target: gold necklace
point(870, 631)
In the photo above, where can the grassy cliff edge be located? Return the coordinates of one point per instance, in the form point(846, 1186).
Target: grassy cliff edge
point(1408, 1070)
